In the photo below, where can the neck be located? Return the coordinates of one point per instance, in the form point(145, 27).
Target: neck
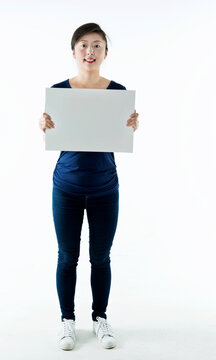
point(88, 77)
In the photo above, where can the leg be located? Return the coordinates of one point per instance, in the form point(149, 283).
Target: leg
point(102, 213)
point(68, 211)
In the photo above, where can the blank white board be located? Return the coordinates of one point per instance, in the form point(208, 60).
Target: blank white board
point(89, 119)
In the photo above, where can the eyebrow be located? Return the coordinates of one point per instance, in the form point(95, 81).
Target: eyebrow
point(93, 41)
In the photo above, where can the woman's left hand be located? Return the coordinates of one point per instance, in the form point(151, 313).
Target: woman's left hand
point(133, 120)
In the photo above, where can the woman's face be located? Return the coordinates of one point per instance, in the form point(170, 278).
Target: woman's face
point(90, 46)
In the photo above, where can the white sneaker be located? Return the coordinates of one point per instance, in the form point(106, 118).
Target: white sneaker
point(67, 335)
point(104, 333)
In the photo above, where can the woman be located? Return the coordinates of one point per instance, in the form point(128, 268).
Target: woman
point(85, 180)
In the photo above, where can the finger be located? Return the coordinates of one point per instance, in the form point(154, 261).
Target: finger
point(50, 125)
point(50, 122)
point(44, 119)
point(46, 115)
point(134, 116)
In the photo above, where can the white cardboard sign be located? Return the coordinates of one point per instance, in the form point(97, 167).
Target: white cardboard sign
point(90, 119)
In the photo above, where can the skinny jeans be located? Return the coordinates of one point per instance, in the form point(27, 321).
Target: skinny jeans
point(102, 215)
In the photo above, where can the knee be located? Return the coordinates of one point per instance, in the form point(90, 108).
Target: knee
point(100, 262)
point(68, 258)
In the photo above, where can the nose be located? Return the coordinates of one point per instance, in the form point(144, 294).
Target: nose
point(90, 50)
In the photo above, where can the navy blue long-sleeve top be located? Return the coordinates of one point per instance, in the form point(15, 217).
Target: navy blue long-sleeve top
point(86, 172)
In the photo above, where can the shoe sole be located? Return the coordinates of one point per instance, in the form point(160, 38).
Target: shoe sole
point(66, 348)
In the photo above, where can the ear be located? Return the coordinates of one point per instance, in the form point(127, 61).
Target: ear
point(105, 54)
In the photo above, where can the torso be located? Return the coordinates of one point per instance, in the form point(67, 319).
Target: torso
point(102, 84)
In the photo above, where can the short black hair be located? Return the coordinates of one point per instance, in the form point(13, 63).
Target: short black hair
point(86, 29)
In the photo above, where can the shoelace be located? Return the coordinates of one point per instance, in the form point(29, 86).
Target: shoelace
point(105, 327)
point(68, 328)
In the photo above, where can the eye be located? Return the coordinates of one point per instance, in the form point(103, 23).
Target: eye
point(95, 45)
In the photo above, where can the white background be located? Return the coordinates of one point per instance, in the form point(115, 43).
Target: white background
point(163, 255)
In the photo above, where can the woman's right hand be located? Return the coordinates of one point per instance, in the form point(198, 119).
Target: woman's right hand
point(46, 122)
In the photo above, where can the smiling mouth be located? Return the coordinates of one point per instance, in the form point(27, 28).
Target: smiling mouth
point(89, 62)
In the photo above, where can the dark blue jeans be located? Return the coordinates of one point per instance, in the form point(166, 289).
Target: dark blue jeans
point(102, 215)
